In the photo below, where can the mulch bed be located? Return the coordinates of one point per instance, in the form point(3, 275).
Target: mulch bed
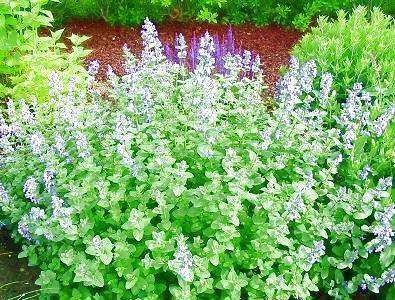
point(16, 277)
point(273, 43)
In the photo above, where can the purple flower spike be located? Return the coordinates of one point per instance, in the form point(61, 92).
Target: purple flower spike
point(238, 51)
point(193, 52)
point(224, 47)
point(250, 73)
point(217, 53)
point(230, 41)
point(168, 53)
point(176, 59)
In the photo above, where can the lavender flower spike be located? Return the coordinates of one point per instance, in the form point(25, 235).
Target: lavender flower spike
point(230, 41)
point(36, 214)
point(93, 68)
point(326, 85)
point(23, 228)
point(48, 178)
point(153, 49)
point(181, 47)
point(193, 53)
point(4, 198)
point(169, 53)
point(37, 143)
point(31, 190)
point(182, 263)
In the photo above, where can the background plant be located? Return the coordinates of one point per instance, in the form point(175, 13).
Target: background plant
point(26, 57)
point(19, 21)
point(184, 186)
point(359, 47)
point(222, 48)
point(298, 14)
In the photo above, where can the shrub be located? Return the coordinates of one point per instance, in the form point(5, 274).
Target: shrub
point(354, 48)
point(27, 58)
point(180, 184)
point(18, 31)
point(81, 9)
point(123, 12)
point(261, 12)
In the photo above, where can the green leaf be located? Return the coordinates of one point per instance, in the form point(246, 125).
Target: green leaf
point(131, 279)
point(57, 34)
point(387, 256)
point(88, 273)
point(178, 190)
point(360, 215)
point(67, 257)
point(101, 248)
point(78, 40)
point(47, 281)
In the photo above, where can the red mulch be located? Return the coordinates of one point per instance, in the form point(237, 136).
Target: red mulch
point(273, 43)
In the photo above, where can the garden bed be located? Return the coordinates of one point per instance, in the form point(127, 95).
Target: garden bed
point(184, 184)
point(16, 277)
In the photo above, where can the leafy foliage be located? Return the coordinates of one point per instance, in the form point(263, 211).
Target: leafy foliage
point(27, 58)
point(355, 48)
point(285, 12)
point(184, 186)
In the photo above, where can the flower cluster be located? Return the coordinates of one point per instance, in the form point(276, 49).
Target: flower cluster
point(182, 263)
point(219, 53)
point(309, 256)
point(4, 197)
point(374, 283)
point(61, 213)
point(383, 230)
point(30, 189)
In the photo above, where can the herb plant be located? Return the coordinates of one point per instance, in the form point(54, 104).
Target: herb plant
point(180, 184)
point(359, 47)
point(26, 57)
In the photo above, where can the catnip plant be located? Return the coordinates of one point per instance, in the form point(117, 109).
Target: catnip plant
point(179, 183)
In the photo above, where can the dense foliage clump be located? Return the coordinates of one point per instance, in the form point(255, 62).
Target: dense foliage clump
point(359, 47)
point(298, 14)
point(27, 57)
point(178, 183)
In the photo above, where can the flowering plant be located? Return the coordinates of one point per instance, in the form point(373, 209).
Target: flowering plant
point(357, 46)
point(178, 183)
point(189, 55)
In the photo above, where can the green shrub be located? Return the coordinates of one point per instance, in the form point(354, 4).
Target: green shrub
point(355, 48)
point(123, 12)
point(19, 21)
point(28, 58)
point(178, 184)
point(261, 12)
point(74, 9)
